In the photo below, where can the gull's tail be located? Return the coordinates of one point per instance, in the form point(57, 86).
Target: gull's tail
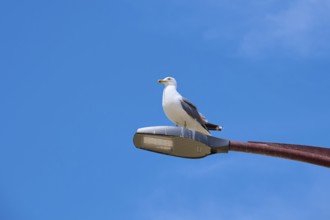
point(214, 127)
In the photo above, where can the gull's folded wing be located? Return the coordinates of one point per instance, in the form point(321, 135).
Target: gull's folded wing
point(191, 110)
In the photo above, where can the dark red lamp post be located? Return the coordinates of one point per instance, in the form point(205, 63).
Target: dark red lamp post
point(181, 142)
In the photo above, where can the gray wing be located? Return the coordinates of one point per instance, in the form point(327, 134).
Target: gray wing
point(192, 111)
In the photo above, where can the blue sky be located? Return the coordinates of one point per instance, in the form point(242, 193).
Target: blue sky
point(77, 78)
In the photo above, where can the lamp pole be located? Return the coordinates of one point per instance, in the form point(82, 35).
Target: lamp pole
point(182, 142)
point(309, 154)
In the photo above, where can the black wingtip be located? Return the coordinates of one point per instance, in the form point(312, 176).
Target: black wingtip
point(213, 127)
point(219, 128)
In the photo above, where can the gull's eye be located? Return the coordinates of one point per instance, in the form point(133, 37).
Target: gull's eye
point(168, 78)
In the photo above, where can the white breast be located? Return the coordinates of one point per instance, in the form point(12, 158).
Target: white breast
point(172, 106)
point(174, 111)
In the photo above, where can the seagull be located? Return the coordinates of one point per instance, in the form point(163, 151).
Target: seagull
point(181, 111)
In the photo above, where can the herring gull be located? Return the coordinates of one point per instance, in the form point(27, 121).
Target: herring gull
point(181, 111)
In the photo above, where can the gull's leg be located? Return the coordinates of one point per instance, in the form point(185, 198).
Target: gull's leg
point(185, 124)
point(176, 124)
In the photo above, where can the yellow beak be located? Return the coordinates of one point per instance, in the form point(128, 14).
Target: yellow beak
point(161, 81)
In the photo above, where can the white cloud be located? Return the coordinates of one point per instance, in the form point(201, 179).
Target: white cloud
point(221, 191)
point(300, 29)
point(272, 206)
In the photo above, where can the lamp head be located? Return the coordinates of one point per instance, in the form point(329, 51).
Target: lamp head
point(178, 141)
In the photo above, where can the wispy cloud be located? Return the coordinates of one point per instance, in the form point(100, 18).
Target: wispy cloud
point(302, 28)
point(272, 205)
point(253, 29)
point(299, 28)
point(250, 196)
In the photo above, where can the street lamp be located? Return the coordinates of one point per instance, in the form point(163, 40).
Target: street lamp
point(182, 142)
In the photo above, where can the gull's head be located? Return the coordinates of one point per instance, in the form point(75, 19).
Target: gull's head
point(167, 81)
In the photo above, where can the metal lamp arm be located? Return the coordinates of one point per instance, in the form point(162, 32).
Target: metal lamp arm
point(309, 154)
